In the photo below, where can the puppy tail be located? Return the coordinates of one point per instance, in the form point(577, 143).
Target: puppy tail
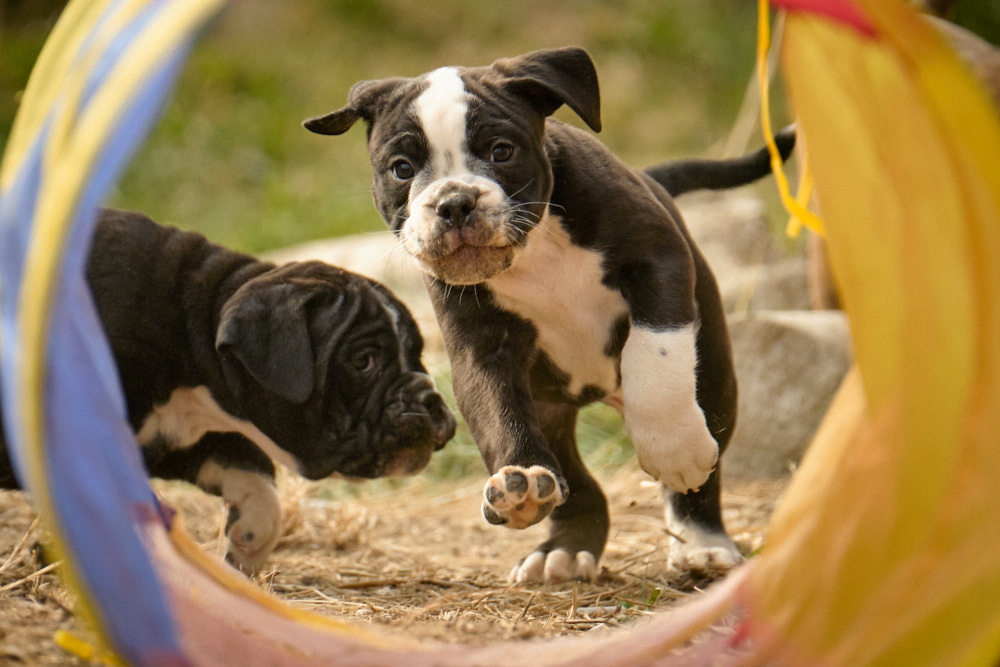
point(680, 176)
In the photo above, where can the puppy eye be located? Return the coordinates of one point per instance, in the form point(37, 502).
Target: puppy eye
point(365, 363)
point(403, 170)
point(502, 152)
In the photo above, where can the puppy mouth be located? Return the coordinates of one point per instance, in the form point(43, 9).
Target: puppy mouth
point(414, 424)
point(404, 462)
point(408, 461)
point(470, 264)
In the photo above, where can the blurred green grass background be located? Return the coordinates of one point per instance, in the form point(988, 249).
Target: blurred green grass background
point(231, 160)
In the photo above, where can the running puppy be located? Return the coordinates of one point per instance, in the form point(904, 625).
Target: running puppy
point(560, 276)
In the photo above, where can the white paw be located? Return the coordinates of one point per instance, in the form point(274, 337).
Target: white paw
point(699, 550)
point(704, 559)
point(519, 497)
point(681, 456)
point(253, 529)
point(253, 520)
point(671, 439)
point(555, 566)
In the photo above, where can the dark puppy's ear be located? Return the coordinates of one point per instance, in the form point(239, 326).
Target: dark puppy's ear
point(552, 77)
point(267, 331)
point(363, 102)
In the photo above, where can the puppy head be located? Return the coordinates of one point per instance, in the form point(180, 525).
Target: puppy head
point(461, 172)
point(327, 364)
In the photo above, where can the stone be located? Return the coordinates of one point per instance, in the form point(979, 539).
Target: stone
point(789, 365)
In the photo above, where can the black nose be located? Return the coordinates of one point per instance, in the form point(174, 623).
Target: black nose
point(455, 209)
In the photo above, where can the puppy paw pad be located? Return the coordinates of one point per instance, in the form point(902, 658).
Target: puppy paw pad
point(520, 497)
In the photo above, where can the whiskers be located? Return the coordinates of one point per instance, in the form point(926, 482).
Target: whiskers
point(522, 219)
point(450, 288)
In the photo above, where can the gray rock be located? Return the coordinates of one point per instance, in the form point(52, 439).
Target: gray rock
point(753, 270)
point(789, 365)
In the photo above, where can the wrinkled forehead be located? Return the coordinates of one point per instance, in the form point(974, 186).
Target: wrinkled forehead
point(404, 327)
point(437, 107)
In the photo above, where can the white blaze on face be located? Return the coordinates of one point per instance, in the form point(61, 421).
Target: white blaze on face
point(442, 110)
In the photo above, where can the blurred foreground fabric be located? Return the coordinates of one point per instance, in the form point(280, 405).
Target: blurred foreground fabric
point(884, 550)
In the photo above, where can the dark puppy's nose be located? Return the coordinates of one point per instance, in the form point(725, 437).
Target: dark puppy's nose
point(455, 209)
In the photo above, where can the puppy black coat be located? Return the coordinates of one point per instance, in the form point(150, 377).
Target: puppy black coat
point(560, 276)
point(223, 357)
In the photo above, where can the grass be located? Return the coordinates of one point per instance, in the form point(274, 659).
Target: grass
point(230, 158)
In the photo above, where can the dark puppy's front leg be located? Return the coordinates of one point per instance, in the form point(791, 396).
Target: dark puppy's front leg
point(679, 391)
point(578, 528)
point(231, 466)
point(696, 516)
point(490, 352)
point(659, 366)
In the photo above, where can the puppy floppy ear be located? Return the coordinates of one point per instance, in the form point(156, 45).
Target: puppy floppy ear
point(363, 102)
point(267, 331)
point(552, 77)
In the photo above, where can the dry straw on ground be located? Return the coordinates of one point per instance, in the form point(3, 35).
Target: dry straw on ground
point(413, 557)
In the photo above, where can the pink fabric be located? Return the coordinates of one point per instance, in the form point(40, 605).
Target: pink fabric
point(843, 11)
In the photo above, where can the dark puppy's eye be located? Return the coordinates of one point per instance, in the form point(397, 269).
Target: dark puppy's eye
point(403, 170)
point(364, 363)
point(501, 152)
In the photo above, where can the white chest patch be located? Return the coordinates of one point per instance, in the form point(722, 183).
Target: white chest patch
point(191, 412)
point(556, 285)
point(442, 110)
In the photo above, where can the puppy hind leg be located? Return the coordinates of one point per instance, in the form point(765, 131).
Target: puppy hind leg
point(578, 529)
point(694, 519)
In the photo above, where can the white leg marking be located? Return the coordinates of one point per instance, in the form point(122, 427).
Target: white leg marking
point(191, 412)
point(668, 429)
point(701, 550)
point(555, 567)
point(256, 531)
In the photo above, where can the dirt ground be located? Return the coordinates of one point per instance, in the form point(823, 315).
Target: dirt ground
point(415, 558)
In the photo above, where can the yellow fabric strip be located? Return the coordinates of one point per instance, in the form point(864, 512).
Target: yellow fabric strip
point(70, 156)
point(796, 206)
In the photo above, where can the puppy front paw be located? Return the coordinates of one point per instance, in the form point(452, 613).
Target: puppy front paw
point(253, 526)
point(519, 497)
point(659, 396)
point(681, 456)
point(555, 566)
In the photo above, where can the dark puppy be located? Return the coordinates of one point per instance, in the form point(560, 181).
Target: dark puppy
point(560, 276)
point(226, 360)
